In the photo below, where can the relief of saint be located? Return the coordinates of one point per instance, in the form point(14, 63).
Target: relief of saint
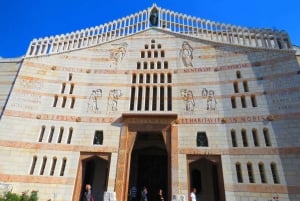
point(113, 97)
point(186, 54)
point(211, 100)
point(94, 101)
point(188, 97)
point(117, 54)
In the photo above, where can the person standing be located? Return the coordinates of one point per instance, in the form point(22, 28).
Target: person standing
point(87, 196)
point(133, 192)
point(144, 194)
point(193, 195)
point(160, 195)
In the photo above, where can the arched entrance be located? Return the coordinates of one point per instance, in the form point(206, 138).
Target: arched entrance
point(149, 164)
point(205, 174)
point(93, 170)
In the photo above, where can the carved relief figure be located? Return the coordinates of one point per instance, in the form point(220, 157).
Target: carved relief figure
point(117, 54)
point(94, 101)
point(113, 97)
point(186, 54)
point(188, 97)
point(211, 100)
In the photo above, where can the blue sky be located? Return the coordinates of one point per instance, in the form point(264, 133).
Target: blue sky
point(23, 20)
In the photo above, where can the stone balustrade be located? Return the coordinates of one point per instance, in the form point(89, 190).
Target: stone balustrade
point(167, 20)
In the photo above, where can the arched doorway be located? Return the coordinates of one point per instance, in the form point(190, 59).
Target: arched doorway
point(149, 164)
point(205, 174)
point(93, 170)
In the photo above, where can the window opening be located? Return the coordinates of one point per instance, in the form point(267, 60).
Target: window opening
point(202, 139)
point(98, 137)
point(233, 138)
point(250, 172)
point(42, 132)
point(255, 137)
point(53, 166)
point(43, 165)
point(274, 173)
point(63, 167)
point(61, 131)
point(239, 172)
point(33, 164)
point(244, 138)
point(162, 100)
point(262, 172)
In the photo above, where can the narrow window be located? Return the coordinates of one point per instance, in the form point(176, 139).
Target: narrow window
point(159, 65)
point(250, 172)
point(139, 104)
point(154, 98)
point(98, 137)
point(134, 78)
point(169, 78)
point(155, 78)
point(63, 104)
point(244, 138)
point(169, 98)
point(236, 87)
point(60, 135)
point(155, 54)
point(43, 165)
point(152, 46)
point(72, 88)
point(262, 172)
point(243, 101)
point(238, 75)
point(149, 54)
point(166, 65)
point(132, 98)
point(148, 78)
point(274, 173)
point(162, 78)
point(239, 172)
point(255, 137)
point(267, 137)
point(42, 132)
point(253, 101)
point(152, 65)
point(51, 134)
point(53, 166)
point(63, 87)
point(152, 41)
point(138, 65)
point(158, 46)
point(63, 167)
point(202, 139)
point(233, 138)
point(146, 46)
point(70, 135)
point(233, 102)
point(245, 85)
point(162, 99)
point(145, 65)
point(141, 78)
point(142, 54)
point(147, 98)
point(55, 101)
point(33, 164)
point(162, 53)
point(70, 76)
point(72, 102)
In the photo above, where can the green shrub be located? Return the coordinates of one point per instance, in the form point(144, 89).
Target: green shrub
point(9, 196)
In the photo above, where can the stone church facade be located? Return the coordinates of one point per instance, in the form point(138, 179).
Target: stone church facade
point(157, 99)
